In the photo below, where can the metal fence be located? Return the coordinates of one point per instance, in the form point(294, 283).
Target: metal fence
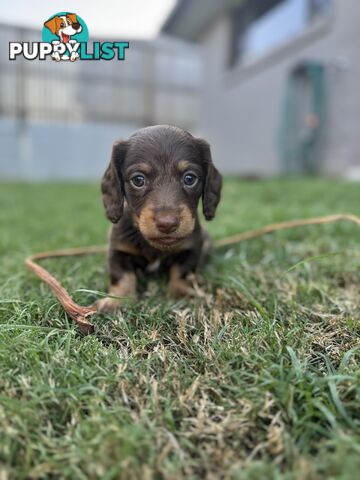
point(45, 105)
point(158, 82)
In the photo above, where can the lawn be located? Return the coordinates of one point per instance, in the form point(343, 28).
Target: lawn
point(257, 379)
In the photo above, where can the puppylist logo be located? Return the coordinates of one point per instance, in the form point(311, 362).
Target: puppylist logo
point(65, 37)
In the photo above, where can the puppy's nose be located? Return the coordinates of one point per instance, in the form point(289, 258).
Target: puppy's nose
point(76, 26)
point(167, 223)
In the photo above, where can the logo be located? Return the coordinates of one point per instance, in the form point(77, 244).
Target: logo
point(68, 29)
point(65, 38)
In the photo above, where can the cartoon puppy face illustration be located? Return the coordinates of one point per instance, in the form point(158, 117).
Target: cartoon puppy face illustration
point(64, 26)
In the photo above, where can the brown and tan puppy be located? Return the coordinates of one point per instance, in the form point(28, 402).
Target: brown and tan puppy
point(64, 26)
point(151, 190)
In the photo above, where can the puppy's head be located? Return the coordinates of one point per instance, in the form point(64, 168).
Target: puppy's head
point(161, 172)
point(64, 26)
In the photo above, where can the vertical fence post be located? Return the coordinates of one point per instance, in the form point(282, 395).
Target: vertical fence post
point(22, 124)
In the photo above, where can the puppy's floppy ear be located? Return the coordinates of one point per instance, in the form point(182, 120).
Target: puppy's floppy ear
point(52, 24)
point(213, 181)
point(72, 17)
point(112, 185)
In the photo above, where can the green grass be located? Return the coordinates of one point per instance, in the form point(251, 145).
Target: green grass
point(257, 379)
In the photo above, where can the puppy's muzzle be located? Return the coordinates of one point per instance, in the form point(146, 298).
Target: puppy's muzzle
point(76, 26)
point(165, 227)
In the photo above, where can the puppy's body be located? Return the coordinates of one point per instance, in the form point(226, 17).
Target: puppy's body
point(151, 190)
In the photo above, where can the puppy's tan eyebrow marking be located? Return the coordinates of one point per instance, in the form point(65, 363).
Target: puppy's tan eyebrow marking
point(144, 167)
point(183, 165)
point(139, 167)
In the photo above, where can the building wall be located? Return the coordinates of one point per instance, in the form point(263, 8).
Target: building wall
point(241, 108)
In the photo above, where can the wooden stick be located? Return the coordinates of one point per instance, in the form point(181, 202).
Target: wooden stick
point(224, 242)
point(80, 313)
point(75, 311)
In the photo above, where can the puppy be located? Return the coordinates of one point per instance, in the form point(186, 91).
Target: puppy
point(151, 190)
point(64, 27)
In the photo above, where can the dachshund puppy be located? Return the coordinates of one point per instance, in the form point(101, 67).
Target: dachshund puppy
point(151, 190)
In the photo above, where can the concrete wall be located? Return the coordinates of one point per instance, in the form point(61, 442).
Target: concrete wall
point(241, 107)
point(43, 151)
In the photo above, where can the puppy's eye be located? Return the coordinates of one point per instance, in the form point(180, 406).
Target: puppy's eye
point(190, 179)
point(62, 24)
point(138, 180)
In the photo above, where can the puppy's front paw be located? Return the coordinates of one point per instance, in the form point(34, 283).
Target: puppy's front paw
point(178, 285)
point(125, 288)
point(181, 288)
point(56, 56)
point(74, 56)
point(108, 305)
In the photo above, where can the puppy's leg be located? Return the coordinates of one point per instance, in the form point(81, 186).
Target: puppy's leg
point(56, 55)
point(73, 53)
point(123, 281)
point(125, 287)
point(186, 263)
point(178, 285)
